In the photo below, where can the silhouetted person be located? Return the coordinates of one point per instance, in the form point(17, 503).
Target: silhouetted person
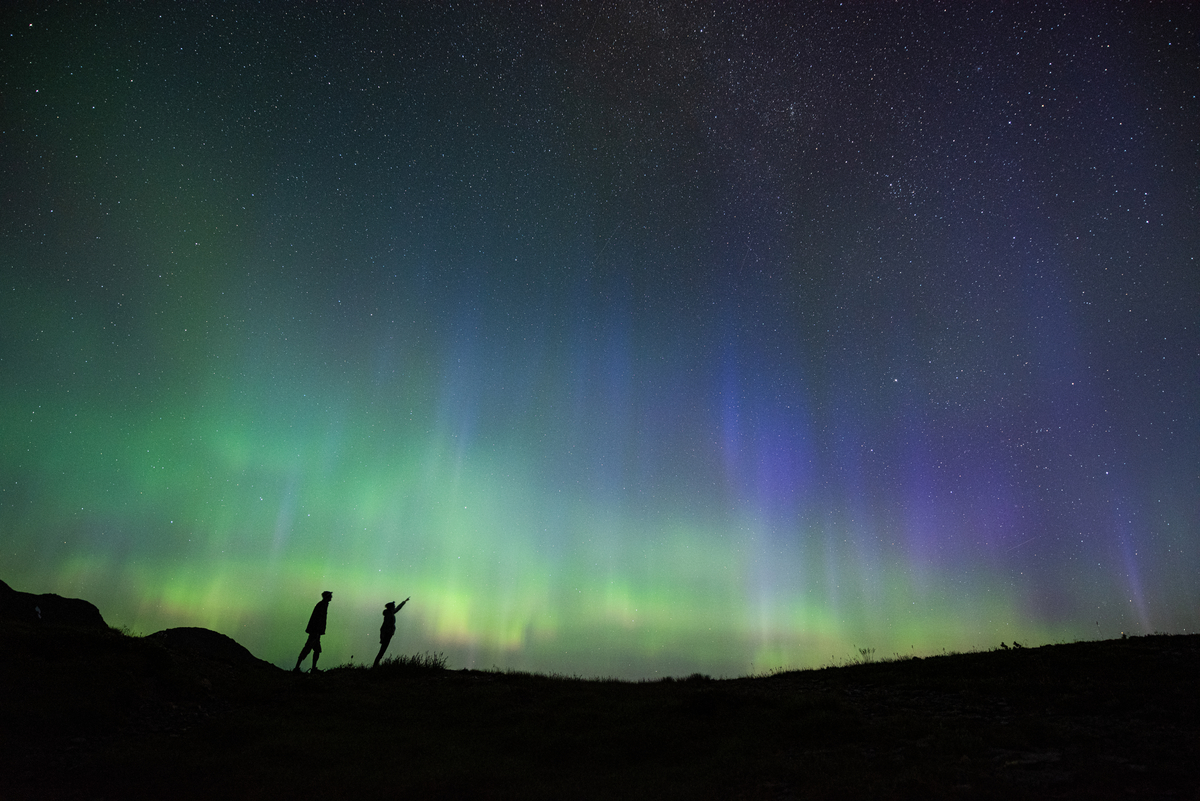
point(388, 628)
point(316, 627)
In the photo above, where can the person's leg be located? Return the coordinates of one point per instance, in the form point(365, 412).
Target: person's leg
point(384, 639)
point(304, 653)
point(316, 653)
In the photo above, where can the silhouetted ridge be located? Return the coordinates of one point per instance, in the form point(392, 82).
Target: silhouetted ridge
point(207, 643)
point(48, 608)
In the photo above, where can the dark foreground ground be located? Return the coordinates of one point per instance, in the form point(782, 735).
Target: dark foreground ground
point(98, 714)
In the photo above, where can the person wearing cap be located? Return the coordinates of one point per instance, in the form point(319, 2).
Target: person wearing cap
point(316, 627)
point(388, 628)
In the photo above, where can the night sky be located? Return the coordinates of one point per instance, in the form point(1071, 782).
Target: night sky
point(627, 341)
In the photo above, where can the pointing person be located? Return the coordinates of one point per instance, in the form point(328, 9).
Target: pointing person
point(388, 628)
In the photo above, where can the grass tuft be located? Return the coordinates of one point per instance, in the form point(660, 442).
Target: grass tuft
point(426, 662)
point(403, 663)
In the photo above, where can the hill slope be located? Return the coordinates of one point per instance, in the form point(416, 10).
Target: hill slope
point(95, 713)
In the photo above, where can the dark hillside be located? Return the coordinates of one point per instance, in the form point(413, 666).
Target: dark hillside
point(94, 713)
point(48, 608)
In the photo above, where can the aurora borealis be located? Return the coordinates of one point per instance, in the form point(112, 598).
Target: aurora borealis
point(627, 341)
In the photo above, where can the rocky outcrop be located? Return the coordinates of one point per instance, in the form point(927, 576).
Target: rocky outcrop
point(48, 609)
point(207, 643)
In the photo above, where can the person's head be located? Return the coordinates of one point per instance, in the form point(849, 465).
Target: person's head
point(327, 595)
point(390, 605)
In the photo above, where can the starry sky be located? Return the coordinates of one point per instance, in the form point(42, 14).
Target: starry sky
point(628, 341)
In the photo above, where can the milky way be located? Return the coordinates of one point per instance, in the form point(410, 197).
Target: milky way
point(627, 341)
